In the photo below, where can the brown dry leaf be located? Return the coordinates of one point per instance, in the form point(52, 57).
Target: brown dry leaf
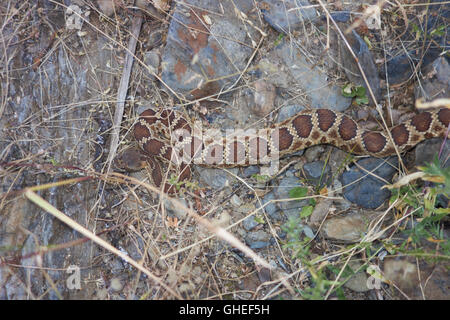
point(430, 239)
point(411, 177)
point(323, 191)
point(172, 222)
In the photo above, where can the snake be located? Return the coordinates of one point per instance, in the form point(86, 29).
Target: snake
point(167, 137)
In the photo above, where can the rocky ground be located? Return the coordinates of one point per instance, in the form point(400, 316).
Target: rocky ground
point(231, 64)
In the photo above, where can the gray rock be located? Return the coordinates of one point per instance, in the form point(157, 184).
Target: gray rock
point(173, 210)
point(317, 173)
point(349, 228)
point(152, 60)
point(365, 189)
point(312, 81)
point(289, 111)
point(428, 149)
point(437, 81)
point(292, 207)
point(191, 58)
point(366, 61)
point(257, 239)
point(290, 173)
point(271, 209)
point(275, 71)
point(358, 281)
point(247, 172)
point(400, 68)
point(250, 223)
point(426, 152)
point(216, 178)
point(308, 232)
point(313, 153)
point(340, 16)
point(288, 15)
point(235, 200)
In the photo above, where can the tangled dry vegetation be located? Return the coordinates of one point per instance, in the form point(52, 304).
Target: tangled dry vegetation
point(69, 98)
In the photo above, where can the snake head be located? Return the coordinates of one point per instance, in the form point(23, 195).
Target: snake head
point(130, 160)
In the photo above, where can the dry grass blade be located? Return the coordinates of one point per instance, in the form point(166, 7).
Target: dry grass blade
point(123, 89)
point(442, 102)
point(39, 201)
point(220, 232)
point(405, 180)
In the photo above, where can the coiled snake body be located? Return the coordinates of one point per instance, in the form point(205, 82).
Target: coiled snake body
point(167, 135)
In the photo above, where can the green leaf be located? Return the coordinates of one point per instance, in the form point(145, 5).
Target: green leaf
point(438, 32)
point(259, 219)
point(360, 91)
point(362, 100)
point(417, 31)
point(278, 40)
point(298, 192)
point(347, 91)
point(306, 211)
point(367, 41)
point(260, 177)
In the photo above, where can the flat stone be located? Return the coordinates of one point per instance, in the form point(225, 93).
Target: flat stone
point(216, 178)
point(202, 47)
point(289, 111)
point(365, 189)
point(427, 150)
point(436, 82)
point(358, 281)
point(250, 223)
point(152, 60)
point(317, 173)
point(291, 207)
point(271, 209)
point(288, 15)
point(350, 228)
point(235, 200)
point(247, 172)
point(313, 82)
point(258, 239)
point(173, 210)
point(365, 59)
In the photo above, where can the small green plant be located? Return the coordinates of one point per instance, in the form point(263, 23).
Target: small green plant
point(278, 39)
point(320, 286)
point(299, 246)
point(417, 31)
point(306, 211)
point(259, 219)
point(301, 192)
point(173, 180)
point(357, 92)
point(53, 162)
point(438, 32)
point(294, 230)
point(427, 213)
point(298, 192)
point(367, 41)
point(442, 176)
point(260, 177)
